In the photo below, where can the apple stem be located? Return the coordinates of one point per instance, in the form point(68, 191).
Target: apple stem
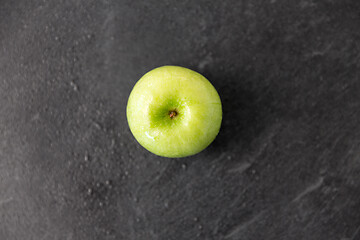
point(172, 114)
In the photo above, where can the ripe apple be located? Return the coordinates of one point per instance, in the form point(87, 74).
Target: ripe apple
point(174, 112)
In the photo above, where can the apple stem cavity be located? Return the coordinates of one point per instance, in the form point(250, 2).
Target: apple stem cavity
point(173, 114)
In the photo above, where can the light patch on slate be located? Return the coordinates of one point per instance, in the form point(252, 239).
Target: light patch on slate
point(242, 226)
point(356, 233)
point(2, 202)
point(205, 62)
point(240, 167)
point(309, 189)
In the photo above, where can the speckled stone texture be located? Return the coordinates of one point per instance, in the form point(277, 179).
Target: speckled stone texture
point(285, 166)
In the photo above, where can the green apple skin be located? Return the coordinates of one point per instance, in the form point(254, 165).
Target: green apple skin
point(174, 112)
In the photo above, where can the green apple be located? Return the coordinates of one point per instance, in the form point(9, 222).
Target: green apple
point(174, 112)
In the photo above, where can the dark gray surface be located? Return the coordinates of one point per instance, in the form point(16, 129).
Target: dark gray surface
point(284, 166)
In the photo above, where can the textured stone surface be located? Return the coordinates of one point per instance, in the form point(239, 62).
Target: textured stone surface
point(285, 165)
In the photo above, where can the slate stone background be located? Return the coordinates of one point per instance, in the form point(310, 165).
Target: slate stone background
point(286, 164)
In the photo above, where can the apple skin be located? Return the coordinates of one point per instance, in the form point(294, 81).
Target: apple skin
point(174, 112)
